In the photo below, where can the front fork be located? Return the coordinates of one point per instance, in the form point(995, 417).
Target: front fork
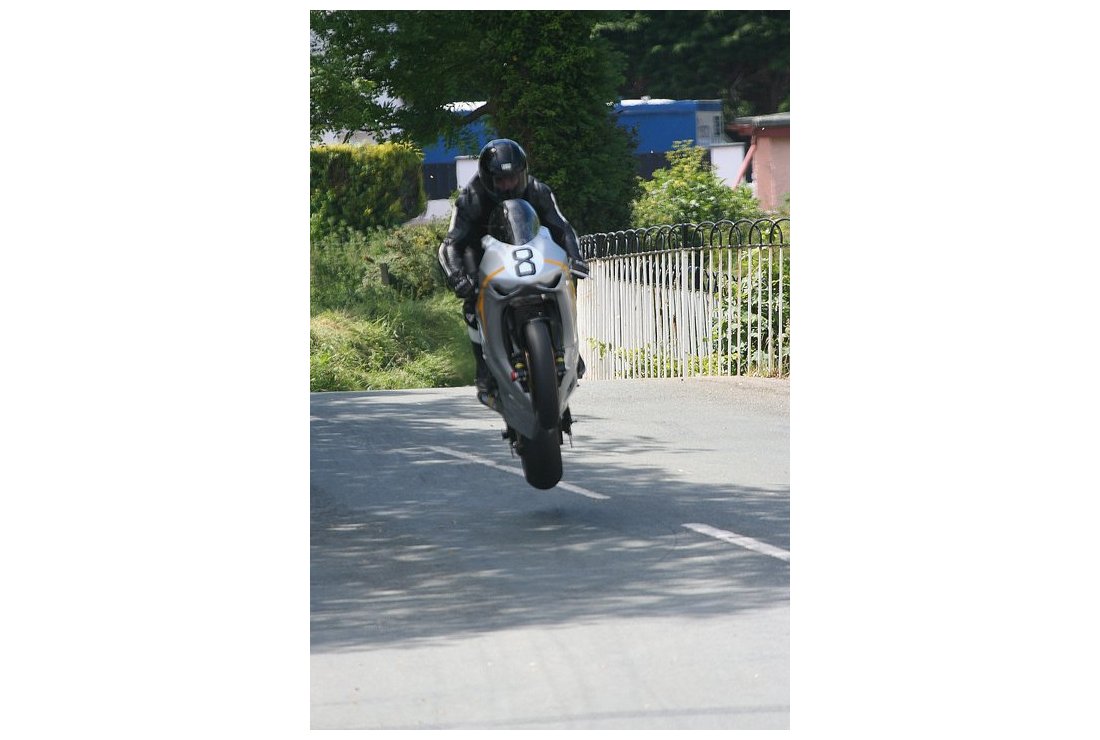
point(519, 362)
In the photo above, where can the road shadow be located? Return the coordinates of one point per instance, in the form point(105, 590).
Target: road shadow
point(408, 546)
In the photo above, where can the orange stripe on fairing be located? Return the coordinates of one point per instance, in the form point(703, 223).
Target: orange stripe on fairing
point(568, 274)
point(481, 297)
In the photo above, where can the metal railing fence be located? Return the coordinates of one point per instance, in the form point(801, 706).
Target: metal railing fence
point(686, 300)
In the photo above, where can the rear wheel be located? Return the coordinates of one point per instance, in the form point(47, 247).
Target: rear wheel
point(541, 455)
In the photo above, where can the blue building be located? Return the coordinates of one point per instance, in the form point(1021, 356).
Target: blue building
point(478, 133)
point(659, 123)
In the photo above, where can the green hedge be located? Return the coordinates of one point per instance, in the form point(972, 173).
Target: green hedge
point(362, 187)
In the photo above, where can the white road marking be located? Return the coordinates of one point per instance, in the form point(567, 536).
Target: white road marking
point(741, 541)
point(514, 471)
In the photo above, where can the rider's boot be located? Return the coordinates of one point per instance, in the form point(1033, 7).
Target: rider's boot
point(483, 381)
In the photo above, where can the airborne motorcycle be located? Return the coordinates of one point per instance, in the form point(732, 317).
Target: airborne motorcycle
point(527, 313)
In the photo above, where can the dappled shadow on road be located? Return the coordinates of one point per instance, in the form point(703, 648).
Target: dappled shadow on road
point(411, 546)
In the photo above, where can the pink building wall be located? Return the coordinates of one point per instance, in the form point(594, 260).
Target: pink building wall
point(771, 156)
point(772, 169)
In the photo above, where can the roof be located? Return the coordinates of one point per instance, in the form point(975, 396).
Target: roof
point(464, 106)
point(657, 106)
point(772, 119)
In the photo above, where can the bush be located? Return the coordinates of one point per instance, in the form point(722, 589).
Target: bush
point(411, 256)
point(364, 187)
point(370, 334)
point(346, 266)
point(688, 191)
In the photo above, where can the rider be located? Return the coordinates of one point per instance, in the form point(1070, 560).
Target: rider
point(501, 175)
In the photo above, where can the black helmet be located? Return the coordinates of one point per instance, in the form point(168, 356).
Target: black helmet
point(514, 222)
point(502, 166)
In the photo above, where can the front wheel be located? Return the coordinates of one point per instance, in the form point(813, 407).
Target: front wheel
point(541, 458)
point(542, 374)
point(541, 454)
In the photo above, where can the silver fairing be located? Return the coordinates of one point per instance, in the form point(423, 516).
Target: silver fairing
point(538, 269)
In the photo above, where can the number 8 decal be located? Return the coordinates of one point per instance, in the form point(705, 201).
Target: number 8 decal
point(525, 267)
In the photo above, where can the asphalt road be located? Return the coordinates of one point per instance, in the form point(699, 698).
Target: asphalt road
point(649, 590)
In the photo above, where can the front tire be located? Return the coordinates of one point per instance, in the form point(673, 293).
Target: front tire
point(541, 455)
point(542, 376)
point(541, 458)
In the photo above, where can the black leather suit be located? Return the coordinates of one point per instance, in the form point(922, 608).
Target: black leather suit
point(461, 250)
point(460, 253)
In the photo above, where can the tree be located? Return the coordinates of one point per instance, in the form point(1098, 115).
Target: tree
point(392, 73)
point(739, 56)
point(547, 81)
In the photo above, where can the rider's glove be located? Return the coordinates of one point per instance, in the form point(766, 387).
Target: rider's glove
point(463, 286)
point(579, 268)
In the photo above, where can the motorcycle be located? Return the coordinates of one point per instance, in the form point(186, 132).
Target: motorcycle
point(527, 314)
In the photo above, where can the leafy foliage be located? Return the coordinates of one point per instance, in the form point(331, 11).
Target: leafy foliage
point(367, 332)
point(349, 267)
point(548, 83)
point(756, 312)
point(361, 187)
point(739, 56)
point(410, 254)
point(337, 269)
point(688, 191)
point(554, 90)
point(363, 61)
